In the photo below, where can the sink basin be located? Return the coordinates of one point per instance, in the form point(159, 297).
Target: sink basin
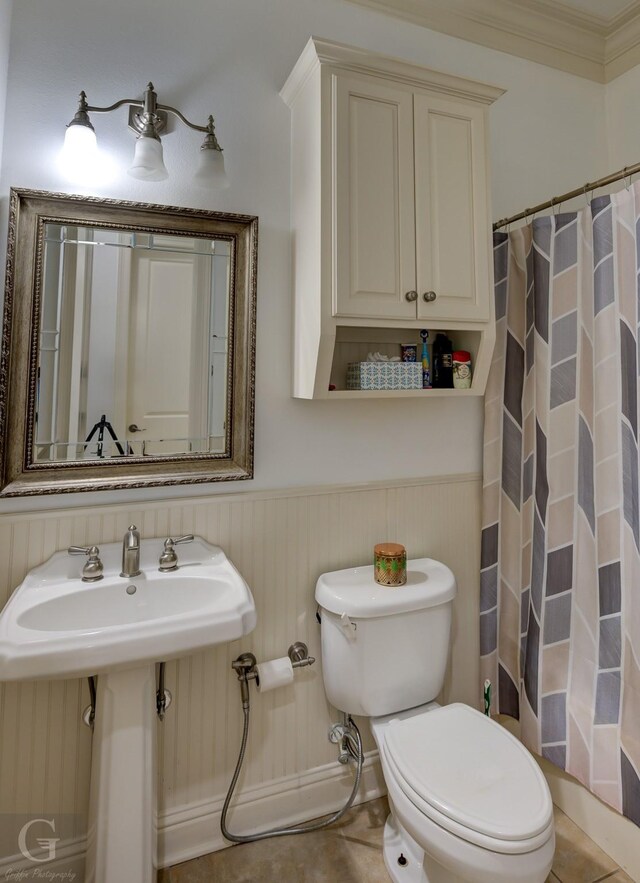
point(56, 626)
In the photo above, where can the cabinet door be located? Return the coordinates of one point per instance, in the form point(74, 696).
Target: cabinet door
point(374, 221)
point(452, 210)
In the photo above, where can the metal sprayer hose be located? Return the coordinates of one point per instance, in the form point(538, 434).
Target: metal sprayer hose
point(293, 829)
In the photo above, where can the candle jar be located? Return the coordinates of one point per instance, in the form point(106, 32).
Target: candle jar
point(390, 564)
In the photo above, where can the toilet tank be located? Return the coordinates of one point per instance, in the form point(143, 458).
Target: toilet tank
point(385, 649)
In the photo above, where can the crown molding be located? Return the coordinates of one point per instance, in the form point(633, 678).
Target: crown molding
point(545, 31)
point(622, 50)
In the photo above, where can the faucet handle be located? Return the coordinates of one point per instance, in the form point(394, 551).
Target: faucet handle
point(93, 568)
point(169, 559)
point(81, 550)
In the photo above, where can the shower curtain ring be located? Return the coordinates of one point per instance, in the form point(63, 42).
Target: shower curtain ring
point(625, 177)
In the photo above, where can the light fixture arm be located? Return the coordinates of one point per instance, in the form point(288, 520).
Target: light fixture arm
point(91, 108)
point(174, 110)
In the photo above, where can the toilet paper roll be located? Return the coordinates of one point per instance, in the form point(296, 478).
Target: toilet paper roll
point(274, 673)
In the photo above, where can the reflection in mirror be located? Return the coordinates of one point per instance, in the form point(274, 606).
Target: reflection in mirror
point(128, 345)
point(132, 356)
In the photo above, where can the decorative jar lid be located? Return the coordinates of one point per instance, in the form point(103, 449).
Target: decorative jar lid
point(389, 550)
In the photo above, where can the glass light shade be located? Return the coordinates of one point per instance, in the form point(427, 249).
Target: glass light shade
point(148, 164)
point(80, 151)
point(210, 171)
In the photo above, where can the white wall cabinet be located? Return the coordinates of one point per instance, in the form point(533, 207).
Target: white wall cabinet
point(412, 220)
point(391, 212)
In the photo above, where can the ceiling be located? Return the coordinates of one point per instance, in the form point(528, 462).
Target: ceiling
point(596, 39)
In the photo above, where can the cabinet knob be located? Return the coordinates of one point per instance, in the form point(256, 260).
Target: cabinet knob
point(411, 296)
point(429, 296)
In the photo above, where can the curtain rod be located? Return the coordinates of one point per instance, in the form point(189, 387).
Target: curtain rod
point(627, 172)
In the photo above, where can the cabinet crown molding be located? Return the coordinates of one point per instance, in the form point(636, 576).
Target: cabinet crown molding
point(320, 52)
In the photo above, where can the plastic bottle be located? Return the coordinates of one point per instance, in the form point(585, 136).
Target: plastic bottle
point(462, 369)
point(442, 374)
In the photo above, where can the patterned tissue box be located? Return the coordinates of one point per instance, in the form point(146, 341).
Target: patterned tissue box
point(384, 375)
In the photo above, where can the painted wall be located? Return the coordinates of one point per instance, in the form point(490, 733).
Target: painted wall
point(6, 7)
point(231, 60)
point(623, 124)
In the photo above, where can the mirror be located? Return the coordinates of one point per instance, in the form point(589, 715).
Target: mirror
point(129, 334)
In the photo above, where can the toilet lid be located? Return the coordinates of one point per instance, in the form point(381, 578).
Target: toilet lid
point(471, 770)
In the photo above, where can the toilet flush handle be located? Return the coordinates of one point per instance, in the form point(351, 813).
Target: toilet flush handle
point(348, 627)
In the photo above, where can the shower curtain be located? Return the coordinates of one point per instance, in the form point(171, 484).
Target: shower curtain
point(560, 578)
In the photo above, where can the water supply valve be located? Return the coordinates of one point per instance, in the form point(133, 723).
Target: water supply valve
point(338, 735)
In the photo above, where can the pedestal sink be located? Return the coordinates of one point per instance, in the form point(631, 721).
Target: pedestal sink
point(56, 626)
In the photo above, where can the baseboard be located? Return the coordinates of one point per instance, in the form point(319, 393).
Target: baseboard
point(68, 864)
point(192, 830)
point(189, 831)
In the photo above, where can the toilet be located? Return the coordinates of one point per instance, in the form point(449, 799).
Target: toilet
point(468, 802)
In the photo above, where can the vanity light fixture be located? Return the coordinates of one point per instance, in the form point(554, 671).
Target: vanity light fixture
point(147, 119)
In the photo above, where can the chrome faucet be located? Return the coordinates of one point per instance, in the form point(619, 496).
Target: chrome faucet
point(131, 552)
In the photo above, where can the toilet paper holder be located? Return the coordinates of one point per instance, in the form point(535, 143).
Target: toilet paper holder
point(245, 665)
point(298, 653)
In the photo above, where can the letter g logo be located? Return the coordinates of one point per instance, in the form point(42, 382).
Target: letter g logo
point(48, 843)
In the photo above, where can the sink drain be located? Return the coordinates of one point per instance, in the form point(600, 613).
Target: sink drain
point(131, 590)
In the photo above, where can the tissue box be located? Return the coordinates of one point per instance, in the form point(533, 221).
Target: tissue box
point(384, 375)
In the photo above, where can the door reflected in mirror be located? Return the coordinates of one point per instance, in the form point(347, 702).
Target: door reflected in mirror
point(133, 348)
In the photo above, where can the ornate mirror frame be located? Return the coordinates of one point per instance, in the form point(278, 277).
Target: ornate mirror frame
point(30, 210)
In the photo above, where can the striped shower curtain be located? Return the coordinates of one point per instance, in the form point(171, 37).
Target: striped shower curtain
point(560, 581)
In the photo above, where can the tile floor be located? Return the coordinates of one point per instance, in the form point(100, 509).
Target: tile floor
point(351, 852)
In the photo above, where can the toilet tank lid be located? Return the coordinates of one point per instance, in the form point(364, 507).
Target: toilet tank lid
point(355, 592)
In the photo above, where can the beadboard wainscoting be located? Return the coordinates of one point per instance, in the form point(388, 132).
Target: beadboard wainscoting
point(281, 541)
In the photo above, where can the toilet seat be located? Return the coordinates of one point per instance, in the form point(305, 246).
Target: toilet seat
point(471, 777)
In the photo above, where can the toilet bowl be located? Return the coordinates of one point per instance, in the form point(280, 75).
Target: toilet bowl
point(468, 802)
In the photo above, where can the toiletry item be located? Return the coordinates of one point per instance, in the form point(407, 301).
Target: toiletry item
point(380, 357)
point(462, 369)
point(390, 564)
point(409, 352)
point(384, 375)
point(426, 374)
point(442, 353)
point(274, 673)
point(487, 697)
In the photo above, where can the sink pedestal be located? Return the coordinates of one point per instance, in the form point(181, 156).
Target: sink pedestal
point(122, 839)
